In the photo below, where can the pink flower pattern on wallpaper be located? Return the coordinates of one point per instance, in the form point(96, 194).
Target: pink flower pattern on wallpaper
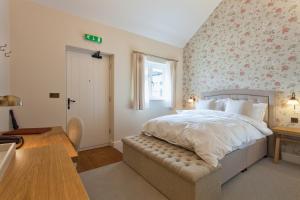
point(251, 44)
point(246, 44)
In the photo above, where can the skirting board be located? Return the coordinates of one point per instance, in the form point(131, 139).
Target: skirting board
point(290, 157)
point(118, 145)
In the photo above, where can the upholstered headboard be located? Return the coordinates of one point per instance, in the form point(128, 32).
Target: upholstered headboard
point(256, 96)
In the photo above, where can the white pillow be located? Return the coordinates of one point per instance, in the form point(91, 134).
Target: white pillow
point(258, 111)
point(206, 104)
point(221, 104)
point(238, 107)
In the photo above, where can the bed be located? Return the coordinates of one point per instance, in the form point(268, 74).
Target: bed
point(241, 159)
point(179, 174)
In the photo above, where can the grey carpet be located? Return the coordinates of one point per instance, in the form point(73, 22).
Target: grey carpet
point(118, 182)
point(263, 181)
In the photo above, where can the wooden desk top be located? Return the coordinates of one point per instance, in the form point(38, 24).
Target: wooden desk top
point(42, 173)
point(288, 131)
point(55, 136)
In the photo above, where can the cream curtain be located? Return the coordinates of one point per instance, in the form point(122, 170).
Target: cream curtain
point(140, 96)
point(171, 85)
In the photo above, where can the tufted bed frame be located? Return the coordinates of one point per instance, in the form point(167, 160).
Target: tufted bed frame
point(184, 176)
point(255, 96)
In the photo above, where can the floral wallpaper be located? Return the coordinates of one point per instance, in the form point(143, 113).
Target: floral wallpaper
point(251, 44)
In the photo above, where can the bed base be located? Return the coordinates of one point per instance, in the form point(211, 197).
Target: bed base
point(239, 160)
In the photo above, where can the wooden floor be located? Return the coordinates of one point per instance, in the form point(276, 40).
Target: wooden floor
point(99, 157)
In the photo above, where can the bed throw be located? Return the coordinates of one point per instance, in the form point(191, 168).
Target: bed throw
point(210, 134)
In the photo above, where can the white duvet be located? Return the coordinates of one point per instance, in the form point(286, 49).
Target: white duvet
point(210, 134)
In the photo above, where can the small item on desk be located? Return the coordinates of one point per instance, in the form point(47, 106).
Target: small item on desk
point(28, 131)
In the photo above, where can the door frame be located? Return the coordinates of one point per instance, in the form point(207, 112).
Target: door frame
point(110, 85)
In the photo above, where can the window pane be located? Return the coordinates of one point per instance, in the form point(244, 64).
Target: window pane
point(157, 80)
point(157, 83)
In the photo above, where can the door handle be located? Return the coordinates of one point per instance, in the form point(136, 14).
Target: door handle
point(69, 102)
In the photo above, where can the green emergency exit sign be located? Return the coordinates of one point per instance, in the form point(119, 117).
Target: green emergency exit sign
point(93, 38)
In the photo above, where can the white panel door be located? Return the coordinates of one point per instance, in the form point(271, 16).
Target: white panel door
point(88, 87)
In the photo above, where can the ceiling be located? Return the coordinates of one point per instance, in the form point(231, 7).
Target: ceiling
point(170, 21)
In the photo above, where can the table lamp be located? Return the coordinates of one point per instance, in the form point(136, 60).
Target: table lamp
point(10, 100)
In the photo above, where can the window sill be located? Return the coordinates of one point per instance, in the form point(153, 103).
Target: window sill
point(157, 100)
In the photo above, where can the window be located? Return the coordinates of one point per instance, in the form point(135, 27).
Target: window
point(158, 82)
point(153, 79)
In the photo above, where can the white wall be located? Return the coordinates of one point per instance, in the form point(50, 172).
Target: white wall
point(4, 62)
point(39, 37)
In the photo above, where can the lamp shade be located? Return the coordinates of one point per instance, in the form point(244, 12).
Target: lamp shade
point(10, 100)
point(190, 100)
point(293, 102)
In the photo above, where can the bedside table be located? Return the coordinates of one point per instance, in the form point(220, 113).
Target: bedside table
point(284, 134)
